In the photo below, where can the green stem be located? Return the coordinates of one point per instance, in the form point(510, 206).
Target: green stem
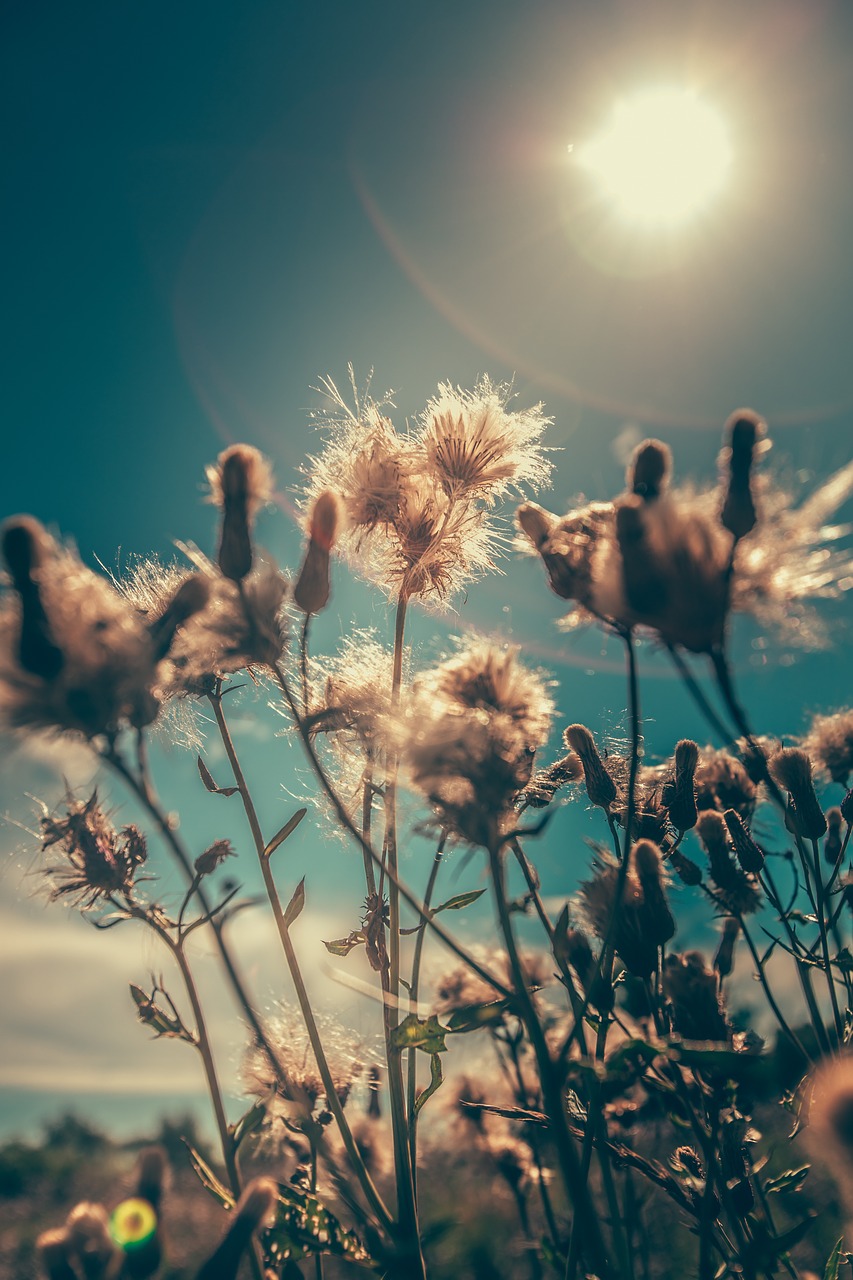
point(142, 789)
point(414, 990)
point(333, 1101)
point(585, 1217)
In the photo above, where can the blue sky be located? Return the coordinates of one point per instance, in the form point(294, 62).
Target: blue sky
point(210, 206)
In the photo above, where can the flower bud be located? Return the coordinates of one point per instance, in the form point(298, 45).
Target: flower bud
point(679, 794)
point(833, 844)
point(657, 917)
point(744, 429)
point(649, 469)
point(190, 598)
point(792, 769)
point(645, 588)
point(536, 522)
point(213, 857)
point(240, 483)
point(311, 592)
point(724, 959)
point(600, 787)
point(750, 857)
point(26, 546)
point(685, 868)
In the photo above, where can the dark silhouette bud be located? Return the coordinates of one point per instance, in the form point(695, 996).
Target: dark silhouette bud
point(748, 854)
point(724, 959)
point(600, 787)
point(649, 469)
point(744, 430)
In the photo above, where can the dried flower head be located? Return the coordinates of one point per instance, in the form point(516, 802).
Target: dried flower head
point(470, 735)
point(679, 791)
point(829, 743)
point(722, 782)
point(100, 860)
point(477, 446)
point(791, 768)
point(725, 956)
point(643, 922)
point(692, 991)
point(600, 787)
point(292, 1048)
point(75, 656)
point(748, 853)
point(312, 587)
point(737, 889)
point(415, 502)
point(662, 558)
point(240, 483)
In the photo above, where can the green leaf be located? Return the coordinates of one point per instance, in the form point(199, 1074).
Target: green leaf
point(208, 1178)
point(435, 1082)
point(343, 946)
point(304, 1227)
point(210, 784)
point(297, 902)
point(790, 1180)
point(288, 829)
point(426, 1034)
point(834, 1262)
point(459, 901)
point(248, 1123)
point(472, 1017)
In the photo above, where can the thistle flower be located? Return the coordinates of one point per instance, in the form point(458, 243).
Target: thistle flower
point(829, 743)
point(241, 624)
point(722, 782)
point(415, 502)
point(543, 786)
point(643, 921)
point(477, 447)
point(745, 431)
point(213, 857)
point(600, 787)
point(749, 855)
point(662, 558)
point(737, 889)
point(470, 736)
point(679, 791)
point(293, 1051)
point(75, 656)
point(833, 844)
point(311, 592)
point(724, 958)
point(100, 860)
point(692, 991)
point(792, 770)
point(240, 483)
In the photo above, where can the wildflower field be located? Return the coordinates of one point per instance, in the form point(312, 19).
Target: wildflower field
point(583, 1096)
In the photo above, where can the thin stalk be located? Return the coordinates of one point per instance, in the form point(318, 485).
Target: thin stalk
point(824, 942)
point(303, 663)
point(366, 817)
point(366, 1182)
point(142, 789)
point(414, 991)
point(346, 822)
point(585, 1216)
point(803, 973)
point(696, 692)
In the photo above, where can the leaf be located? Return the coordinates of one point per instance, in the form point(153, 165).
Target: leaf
point(208, 1178)
point(426, 1034)
point(472, 1017)
point(459, 901)
point(790, 1180)
point(210, 784)
point(248, 1123)
point(436, 1079)
point(297, 902)
point(343, 946)
point(288, 829)
point(304, 1227)
point(834, 1262)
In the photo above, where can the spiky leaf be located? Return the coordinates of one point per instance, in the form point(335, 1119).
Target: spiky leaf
point(426, 1034)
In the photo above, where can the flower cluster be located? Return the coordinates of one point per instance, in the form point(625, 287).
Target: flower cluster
point(416, 502)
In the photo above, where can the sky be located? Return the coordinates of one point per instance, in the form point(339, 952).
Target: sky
point(211, 207)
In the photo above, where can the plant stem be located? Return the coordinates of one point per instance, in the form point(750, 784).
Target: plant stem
point(142, 789)
point(414, 990)
point(332, 1099)
point(585, 1217)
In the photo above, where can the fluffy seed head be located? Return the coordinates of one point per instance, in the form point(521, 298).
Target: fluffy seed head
point(791, 768)
point(829, 743)
point(691, 989)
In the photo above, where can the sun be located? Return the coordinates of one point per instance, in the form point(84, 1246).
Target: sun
point(661, 158)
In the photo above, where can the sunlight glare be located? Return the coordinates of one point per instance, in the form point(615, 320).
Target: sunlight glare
point(662, 157)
